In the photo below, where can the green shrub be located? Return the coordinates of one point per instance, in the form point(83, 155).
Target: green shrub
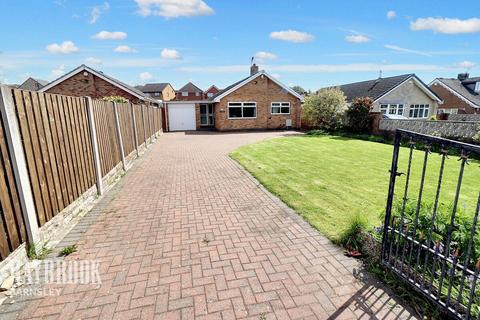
point(118, 99)
point(357, 115)
point(353, 237)
point(324, 109)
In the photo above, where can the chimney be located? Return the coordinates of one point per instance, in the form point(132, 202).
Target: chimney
point(253, 69)
point(463, 76)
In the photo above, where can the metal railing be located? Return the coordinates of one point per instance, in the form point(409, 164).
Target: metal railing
point(434, 247)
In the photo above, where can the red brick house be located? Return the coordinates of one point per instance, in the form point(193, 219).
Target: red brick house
point(210, 92)
point(460, 95)
point(189, 92)
point(85, 81)
point(257, 102)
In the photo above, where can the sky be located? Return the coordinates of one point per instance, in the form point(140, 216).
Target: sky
point(313, 44)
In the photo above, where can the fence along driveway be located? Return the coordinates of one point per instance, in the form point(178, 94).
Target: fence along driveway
point(50, 148)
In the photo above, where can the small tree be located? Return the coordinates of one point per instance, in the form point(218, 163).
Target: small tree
point(324, 109)
point(299, 90)
point(357, 115)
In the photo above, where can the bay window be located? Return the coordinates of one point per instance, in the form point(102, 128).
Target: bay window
point(419, 111)
point(392, 108)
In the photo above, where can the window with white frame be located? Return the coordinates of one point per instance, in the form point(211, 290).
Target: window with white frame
point(448, 110)
point(157, 94)
point(197, 94)
point(209, 94)
point(242, 110)
point(392, 108)
point(184, 94)
point(419, 110)
point(280, 108)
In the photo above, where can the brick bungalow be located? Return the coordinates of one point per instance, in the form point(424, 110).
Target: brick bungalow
point(85, 81)
point(460, 95)
point(403, 96)
point(257, 102)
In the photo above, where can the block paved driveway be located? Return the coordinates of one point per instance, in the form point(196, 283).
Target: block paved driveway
point(188, 234)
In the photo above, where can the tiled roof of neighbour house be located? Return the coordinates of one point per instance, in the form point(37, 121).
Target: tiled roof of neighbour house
point(372, 88)
point(227, 88)
point(190, 87)
point(134, 91)
point(32, 84)
point(152, 87)
point(458, 86)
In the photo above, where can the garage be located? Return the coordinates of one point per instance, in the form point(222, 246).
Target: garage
point(181, 116)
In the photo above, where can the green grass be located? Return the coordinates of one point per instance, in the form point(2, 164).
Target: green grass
point(329, 179)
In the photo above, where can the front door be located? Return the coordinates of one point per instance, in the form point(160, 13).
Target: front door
point(206, 115)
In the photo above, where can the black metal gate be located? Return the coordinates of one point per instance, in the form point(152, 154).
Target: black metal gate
point(430, 236)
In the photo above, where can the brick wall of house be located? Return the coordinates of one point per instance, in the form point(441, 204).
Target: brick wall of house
point(168, 93)
point(191, 96)
point(90, 85)
point(451, 101)
point(263, 91)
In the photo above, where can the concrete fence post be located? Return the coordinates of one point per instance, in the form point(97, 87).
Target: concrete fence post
point(144, 126)
point(19, 163)
point(134, 122)
point(93, 138)
point(119, 135)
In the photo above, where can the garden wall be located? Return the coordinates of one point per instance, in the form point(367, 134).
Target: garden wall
point(464, 117)
point(451, 129)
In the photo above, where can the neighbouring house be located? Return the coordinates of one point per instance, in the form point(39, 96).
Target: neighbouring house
point(85, 81)
point(210, 92)
point(257, 102)
point(460, 95)
point(404, 96)
point(32, 84)
point(160, 91)
point(189, 92)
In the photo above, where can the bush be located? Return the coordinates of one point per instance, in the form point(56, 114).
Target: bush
point(118, 99)
point(353, 237)
point(357, 115)
point(323, 110)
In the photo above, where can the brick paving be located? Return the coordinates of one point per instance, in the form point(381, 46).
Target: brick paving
point(188, 234)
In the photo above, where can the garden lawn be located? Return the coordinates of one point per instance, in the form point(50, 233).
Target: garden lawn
point(329, 179)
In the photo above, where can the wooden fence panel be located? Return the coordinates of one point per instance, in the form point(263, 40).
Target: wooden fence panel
point(12, 225)
point(57, 147)
point(109, 148)
point(140, 124)
point(126, 127)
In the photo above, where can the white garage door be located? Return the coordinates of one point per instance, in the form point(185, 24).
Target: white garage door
point(181, 117)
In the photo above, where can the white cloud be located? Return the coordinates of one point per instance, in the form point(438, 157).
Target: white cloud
point(320, 68)
point(276, 75)
point(145, 76)
point(446, 25)
point(92, 60)
point(97, 12)
point(57, 72)
point(391, 14)
point(173, 8)
point(465, 64)
point(65, 47)
point(292, 36)
point(357, 38)
point(263, 55)
point(124, 49)
point(405, 50)
point(110, 35)
point(170, 54)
